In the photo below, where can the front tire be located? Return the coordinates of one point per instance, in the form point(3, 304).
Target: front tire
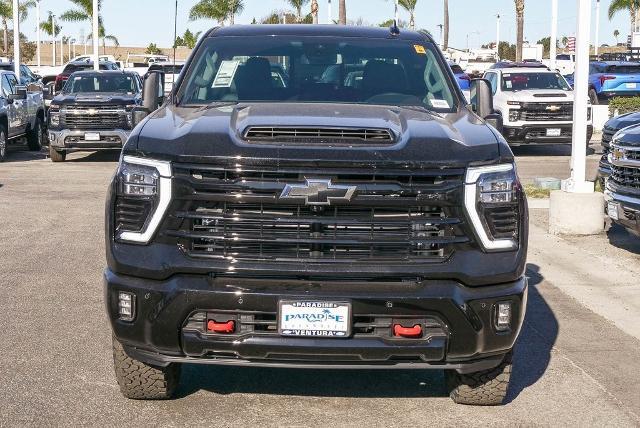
point(140, 381)
point(35, 137)
point(56, 155)
point(485, 388)
point(3, 145)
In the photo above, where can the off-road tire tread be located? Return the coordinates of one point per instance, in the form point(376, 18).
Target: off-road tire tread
point(140, 381)
point(56, 156)
point(32, 136)
point(485, 388)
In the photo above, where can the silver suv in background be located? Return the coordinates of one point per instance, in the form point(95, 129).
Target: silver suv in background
point(21, 115)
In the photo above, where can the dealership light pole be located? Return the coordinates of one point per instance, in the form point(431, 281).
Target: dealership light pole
point(554, 34)
point(597, 38)
point(16, 39)
point(61, 49)
point(38, 31)
point(329, 11)
point(577, 183)
point(53, 32)
point(498, 37)
point(96, 46)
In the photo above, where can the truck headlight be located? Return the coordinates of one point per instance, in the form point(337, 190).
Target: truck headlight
point(493, 196)
point(514, 115)
point(143, 195)
point(54, 115)
point(129, 113)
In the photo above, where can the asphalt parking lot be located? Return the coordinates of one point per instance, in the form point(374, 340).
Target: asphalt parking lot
point(573, 365)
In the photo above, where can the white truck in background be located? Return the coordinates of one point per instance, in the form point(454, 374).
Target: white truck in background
point(565, 63)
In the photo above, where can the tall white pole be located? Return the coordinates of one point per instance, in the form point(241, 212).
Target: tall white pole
point(96, 45)
point(38, 31)
point(69, 48)
point(498, 37)
point(16, 39)
point(397, 16)
point(61, 49)
point(53, 31)
point(330, 12)
point(577, 183)
point(554, 34)
point(597, 41)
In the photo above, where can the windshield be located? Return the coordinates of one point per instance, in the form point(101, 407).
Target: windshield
point(122, 83)
point(524, 81)
point(318, 69)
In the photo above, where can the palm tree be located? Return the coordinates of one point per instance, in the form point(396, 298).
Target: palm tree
point(342, 12)
point(6, 13)
point(445, 37)
point(632, 6)
point(410, 6)
point(219, 10)
point(104, 37)
point(298, 5)
point(520, 28)
point(82, 12)
point(616, 34)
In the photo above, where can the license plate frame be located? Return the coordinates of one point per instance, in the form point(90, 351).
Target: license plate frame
point(554, 132)
point(299, 328)
point(613, 210)
point(631, 85)
point(91, 136)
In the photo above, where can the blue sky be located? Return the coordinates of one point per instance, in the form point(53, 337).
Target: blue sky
point(140, 22)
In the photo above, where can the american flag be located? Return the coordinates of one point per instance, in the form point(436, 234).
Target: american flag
point(571, 44)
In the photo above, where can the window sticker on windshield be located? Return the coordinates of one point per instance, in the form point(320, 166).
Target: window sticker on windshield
point(226, 73)
point(420, 49)
point(440, 103)
point(508, 83)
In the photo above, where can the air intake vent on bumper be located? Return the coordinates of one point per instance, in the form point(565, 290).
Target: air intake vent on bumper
point(288, 135)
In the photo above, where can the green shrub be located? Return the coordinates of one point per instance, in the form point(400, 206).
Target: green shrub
point(624, 105)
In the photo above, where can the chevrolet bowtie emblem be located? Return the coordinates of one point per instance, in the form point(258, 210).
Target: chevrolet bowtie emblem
point(617, 154)
point(553, 108)
point(318, 192)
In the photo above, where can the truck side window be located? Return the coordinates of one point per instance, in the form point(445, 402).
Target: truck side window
point(6, 86)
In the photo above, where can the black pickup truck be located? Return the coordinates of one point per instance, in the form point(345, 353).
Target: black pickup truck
point(350, 212)
point(94, 111)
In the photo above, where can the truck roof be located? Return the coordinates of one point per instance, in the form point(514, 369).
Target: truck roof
point(316, 30)
point(515, 70)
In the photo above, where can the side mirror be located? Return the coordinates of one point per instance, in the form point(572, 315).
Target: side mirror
point(138, 115)
point(153, 91)
point(21, 94)
point(482, 103)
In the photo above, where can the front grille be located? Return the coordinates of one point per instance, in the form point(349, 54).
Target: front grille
point(254, 323)
point(625, 176)
point(94, 117)
point(538, 112)
point(310, 135)
point(404, 216)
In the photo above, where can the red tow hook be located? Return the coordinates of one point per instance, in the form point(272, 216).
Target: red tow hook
point(221, 327)
point(415, 331)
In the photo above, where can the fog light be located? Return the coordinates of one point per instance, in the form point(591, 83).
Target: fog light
point(126, 306)
point(503, 316)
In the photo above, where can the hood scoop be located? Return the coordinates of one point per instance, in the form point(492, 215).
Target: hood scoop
point(318, 135)
point(550, 95)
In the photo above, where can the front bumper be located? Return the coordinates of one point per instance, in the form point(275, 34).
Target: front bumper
point(74, 139)
point(536, 134)
point(463, 337)
point(628, 210)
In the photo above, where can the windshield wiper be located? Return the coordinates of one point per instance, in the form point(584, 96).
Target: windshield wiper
point(216, 104)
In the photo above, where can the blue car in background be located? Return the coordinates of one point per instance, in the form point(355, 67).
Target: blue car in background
point(609, 79)
point(464, 81)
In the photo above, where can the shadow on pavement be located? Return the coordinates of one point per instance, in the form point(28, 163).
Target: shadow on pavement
point(100, 156)
point(20, 153)
point(539, 333)
point(621, 238)
point(531, 360)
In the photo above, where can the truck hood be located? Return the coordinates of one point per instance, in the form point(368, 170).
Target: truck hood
point(205, 134)
point(541, 96)
point(629, 136)
point(623, 120)
point(117, 98)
